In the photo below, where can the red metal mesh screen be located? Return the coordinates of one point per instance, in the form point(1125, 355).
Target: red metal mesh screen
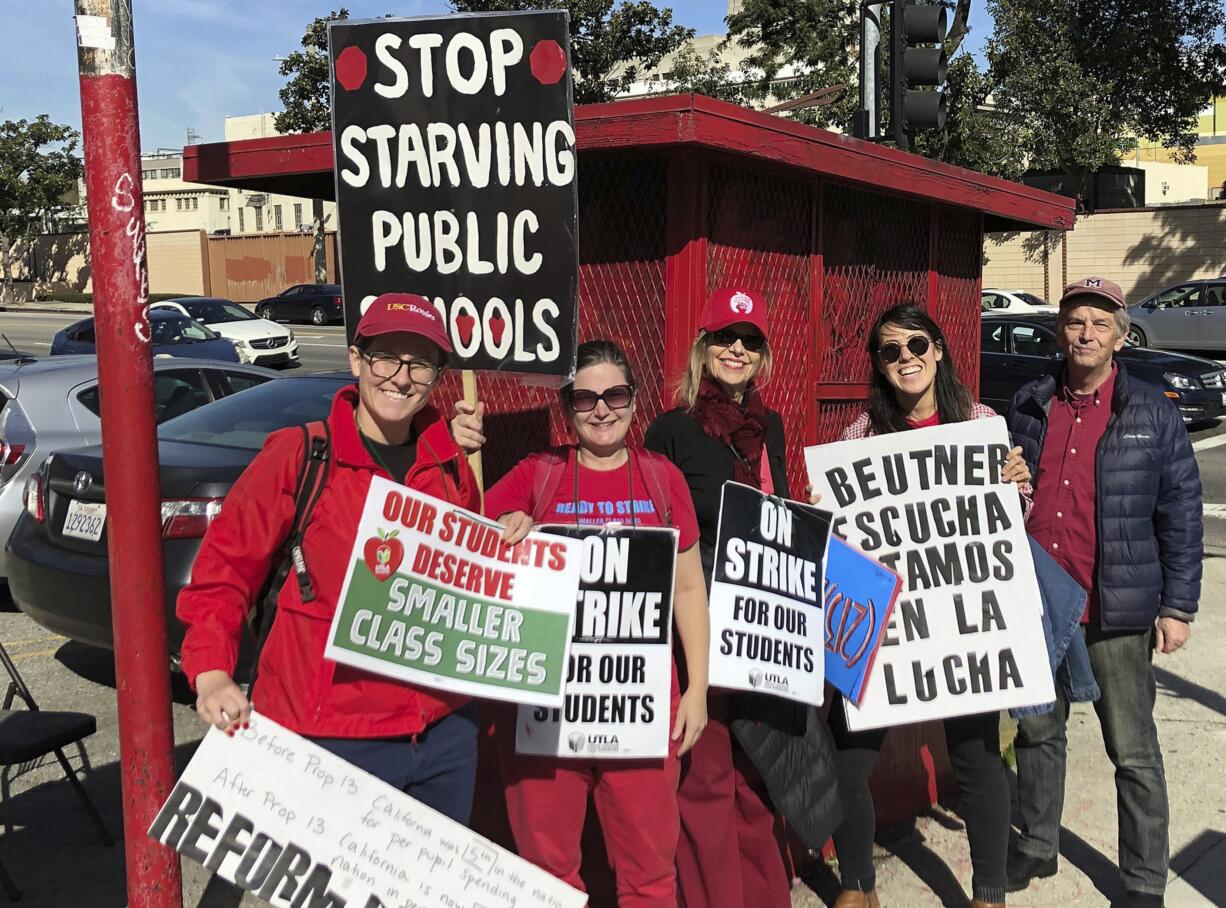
point(760, 236)
point(833, 416)
point(959, 265)
point(622, 213)
point(875, 251)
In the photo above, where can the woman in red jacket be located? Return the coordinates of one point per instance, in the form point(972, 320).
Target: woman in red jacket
point(636, 800)
point(421, 741)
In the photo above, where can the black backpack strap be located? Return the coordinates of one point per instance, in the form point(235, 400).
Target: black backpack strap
point(312, 477)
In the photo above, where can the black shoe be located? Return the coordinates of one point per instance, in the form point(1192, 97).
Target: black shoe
point(1022, 868)
point(1141, 900)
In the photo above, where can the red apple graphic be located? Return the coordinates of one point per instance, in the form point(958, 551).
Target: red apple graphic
point(351, 68)
point(464, 324)
point(497, 326)
point(548, 62)
point(383, 554)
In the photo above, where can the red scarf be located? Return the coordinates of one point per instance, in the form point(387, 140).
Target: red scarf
point(742, 427)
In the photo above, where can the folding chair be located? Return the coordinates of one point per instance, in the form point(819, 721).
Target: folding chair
point(30, 734)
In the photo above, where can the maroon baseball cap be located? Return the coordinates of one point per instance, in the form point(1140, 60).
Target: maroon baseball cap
point(408, 312)
point(1098, 287)
point(730, 305)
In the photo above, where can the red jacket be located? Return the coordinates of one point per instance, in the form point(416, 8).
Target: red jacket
point(297, 686)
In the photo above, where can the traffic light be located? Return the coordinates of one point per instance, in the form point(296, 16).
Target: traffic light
point(918, 63)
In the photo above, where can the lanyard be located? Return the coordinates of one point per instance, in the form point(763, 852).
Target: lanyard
point(634, 520)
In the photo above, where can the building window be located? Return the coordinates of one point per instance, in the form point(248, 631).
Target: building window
point(276, 217)
point(224, 203)
point(195, 203)
point(170, 173)
point(178, 203)
point(259, 220)
point(297, 217)
point(241, 225)
point(148, 174)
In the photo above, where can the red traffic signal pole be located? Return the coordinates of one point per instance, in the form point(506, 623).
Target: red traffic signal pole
point(111, 138)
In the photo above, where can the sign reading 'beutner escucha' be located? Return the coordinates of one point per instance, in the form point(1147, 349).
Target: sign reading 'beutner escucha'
point(455, 159)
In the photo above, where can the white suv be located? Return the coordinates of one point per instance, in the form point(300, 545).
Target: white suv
point(992, 300)
point(257, 340)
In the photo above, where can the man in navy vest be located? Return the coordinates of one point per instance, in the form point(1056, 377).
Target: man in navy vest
point(1117, 503)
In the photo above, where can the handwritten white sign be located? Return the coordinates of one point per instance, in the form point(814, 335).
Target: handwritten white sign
point(285, 819)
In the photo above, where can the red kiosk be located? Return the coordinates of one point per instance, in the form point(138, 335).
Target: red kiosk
point(682, 194)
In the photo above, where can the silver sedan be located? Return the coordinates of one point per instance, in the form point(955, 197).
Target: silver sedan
point(50, 404)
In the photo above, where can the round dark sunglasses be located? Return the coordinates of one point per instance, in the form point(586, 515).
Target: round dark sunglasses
point(616, 398)
point(726, 337)
point(917, 346)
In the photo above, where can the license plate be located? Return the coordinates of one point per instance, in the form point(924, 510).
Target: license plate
point(85, 520)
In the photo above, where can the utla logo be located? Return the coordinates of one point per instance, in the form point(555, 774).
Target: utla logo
point(575, 741)
point(383, 554)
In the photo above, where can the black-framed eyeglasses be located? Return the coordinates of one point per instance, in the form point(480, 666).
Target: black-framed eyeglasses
point(916, 346)
point(726, 337)
point(387, 365)
point(616, 398)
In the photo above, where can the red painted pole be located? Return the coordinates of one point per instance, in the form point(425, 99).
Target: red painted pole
point(111, 138)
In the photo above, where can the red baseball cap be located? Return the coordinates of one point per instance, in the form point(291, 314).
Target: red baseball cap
point(408, 312)
point(1097, 287)
point(730, 305)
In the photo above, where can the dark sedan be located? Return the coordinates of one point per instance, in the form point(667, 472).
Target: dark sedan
point(1017, 348)
point(57, 554)
point(319, 304)
point(171, 333)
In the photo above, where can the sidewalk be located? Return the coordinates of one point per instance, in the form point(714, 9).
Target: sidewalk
point(48, 306)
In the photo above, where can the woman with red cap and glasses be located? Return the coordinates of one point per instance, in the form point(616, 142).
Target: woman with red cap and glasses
point(728, 856)
point(915, 385)
point(636, 800)
point(422, 741)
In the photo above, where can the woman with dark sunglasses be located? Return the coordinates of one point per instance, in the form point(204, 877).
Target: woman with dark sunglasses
point(728, 856)
point(915, 385)
point(600, 481)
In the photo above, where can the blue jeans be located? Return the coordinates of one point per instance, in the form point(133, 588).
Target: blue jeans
point(437, 767)
point(1121, 663)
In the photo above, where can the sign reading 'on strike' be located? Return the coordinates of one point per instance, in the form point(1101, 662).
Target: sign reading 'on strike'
point(434, 597)
point(456, 179)
point(966, 635)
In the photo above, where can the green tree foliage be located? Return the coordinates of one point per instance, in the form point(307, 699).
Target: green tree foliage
point(38, 168)
point(1082, 79)
point(612, 42)
point(305, 96)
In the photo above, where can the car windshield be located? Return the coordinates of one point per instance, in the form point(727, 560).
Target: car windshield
point(1032, 299)
point(179, 330)
point(216, 312)
point(245, 419)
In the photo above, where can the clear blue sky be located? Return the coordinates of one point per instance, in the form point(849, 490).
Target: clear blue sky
point(201, 60)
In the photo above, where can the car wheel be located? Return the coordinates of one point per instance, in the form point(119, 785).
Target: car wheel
point(318, 316)
point(1135, 337)
point(264, 312)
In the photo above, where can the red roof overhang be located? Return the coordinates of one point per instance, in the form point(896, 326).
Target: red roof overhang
point(302, 165)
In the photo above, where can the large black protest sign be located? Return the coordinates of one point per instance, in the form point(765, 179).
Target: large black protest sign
point(456, 179)
point(767, 630)
point(930, 504)
point(619, 684)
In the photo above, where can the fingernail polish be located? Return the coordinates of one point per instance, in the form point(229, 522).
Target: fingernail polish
point(230, 732)
point(246, 725)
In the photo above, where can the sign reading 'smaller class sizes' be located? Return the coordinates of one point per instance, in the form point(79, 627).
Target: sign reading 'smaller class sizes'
point(930, 504)
point(297, 826)
point(767, 631)
point(435, 597)
point(619, 684)
point(456, 179)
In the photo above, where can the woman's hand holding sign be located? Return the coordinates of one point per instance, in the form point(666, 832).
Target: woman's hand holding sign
point(221, 702)
point(467, 426)
point(1015, 469)
point(516, 525)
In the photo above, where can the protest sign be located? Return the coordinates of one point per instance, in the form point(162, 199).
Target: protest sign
point(620, 677)
point(456, 170)
point(967, 635)
point(286, 820)
point(433, 596)
point(766, 595)
point(859, 600)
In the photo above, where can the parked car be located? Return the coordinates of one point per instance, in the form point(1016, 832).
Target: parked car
point(172, 334)
point(257, 340)
point(319, 304)
point(48, 404)
point(1188, 316)
point(57, 554)
point(1017, 348)
point(993, 300)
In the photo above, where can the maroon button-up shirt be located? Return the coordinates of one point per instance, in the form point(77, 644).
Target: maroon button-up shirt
point(1065, 494)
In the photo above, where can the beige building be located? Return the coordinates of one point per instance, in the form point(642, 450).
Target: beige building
point(172, 204)
point(1210, 147)
point(262, 212)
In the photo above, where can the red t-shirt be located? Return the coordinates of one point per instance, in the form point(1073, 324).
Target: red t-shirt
point(926, 422)
point(604, 497)
point(1065, 498)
